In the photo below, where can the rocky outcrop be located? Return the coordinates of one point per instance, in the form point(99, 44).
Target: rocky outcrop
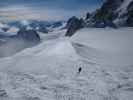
point(105, 16)
point(10, 45)
point(3, 94)
point(130, 15)
point(113, 13)
point(107, 11)
point(73, 25)
point(101, 18)
point(88, 15)
point(28, 35)
point(119, 12)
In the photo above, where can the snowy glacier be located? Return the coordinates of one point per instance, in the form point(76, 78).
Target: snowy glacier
point(49, 71)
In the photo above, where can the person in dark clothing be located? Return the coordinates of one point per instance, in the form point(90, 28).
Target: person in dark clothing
point(79, 70)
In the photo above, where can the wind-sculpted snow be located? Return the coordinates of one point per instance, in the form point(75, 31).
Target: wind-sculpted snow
point(110, 46)
point(49, 71)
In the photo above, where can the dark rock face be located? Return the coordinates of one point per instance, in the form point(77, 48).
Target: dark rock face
point(73, 25)
point(111, 5)
point(5, 29)
point(130, 15)
point(104, 15)
point(28, 35)
point(3, 93)
point(88, 15)
point(107, 11)
point(111, 13)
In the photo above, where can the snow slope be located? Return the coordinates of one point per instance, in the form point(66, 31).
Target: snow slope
point(49, 71)
point(114, 46)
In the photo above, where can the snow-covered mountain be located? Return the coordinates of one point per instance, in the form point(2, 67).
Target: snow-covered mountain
point(18, 35)
point(113, 13)
point(126, 12)
point(117, 11)
point(15, 40)
point(40, 26)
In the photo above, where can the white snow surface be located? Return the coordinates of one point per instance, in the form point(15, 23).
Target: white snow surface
point(113, 47)
point(49, 71)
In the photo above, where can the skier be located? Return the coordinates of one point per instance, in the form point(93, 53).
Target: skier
point(79, 70)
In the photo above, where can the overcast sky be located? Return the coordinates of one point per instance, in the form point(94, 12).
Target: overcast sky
point(45, 9)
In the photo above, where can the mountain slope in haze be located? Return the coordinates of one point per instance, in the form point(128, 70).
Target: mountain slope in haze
point(11, 44)
point(15, 36)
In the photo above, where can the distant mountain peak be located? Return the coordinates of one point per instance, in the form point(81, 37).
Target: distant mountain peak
point(25, 22)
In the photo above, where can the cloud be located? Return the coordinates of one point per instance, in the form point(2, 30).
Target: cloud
point(53, 3)
point(44, 10)
point(22, 12)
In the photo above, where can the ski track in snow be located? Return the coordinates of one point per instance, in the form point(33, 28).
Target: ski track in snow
point(49, 72)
